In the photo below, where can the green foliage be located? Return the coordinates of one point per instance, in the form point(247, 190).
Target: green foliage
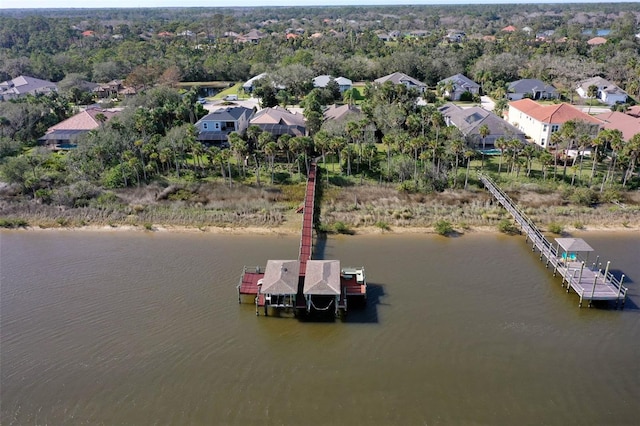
point(342, 228)
point(384, 226)
point(583, 196)
point(443, 227)
point(13, 223)
point(507, 227)
point(555, 228)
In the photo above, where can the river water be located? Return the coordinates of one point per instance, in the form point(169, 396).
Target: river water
point(145, 328)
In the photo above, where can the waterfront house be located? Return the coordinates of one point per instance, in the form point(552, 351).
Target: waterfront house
point(531, 88)
point(401, 78)
point(453, 87)
point(539, 122)
point(608, 92)
point(25, 85)
point(280, 121)
point(214, 128)
point(64, 134)
point(470, 120)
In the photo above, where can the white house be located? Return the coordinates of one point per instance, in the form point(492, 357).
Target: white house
point(321, 82)
point(539, 122)
point(401, 78)
point(24, 85)
point(608, 92)
point(461, 84)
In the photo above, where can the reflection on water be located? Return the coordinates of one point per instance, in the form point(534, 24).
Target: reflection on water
point(102, 328)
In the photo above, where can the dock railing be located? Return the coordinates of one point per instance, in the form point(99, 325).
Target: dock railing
point(568, 269)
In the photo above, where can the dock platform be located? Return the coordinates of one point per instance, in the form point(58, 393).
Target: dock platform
point(568, 257)
point(281, 284)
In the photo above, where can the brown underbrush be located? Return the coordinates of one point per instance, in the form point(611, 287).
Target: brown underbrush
point(353, 208)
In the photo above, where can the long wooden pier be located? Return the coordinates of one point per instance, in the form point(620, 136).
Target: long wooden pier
point(568, 257)
point(314, 283)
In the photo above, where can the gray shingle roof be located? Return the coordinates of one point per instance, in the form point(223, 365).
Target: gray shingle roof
point(226, 114)
point(281, 277)
point(322, 277)
point(530, 85)
point(461, 81)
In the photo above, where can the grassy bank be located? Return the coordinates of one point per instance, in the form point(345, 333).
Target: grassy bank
point(349, 208)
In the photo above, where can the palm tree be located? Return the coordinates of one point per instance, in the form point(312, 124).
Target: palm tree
point(270, 151)
point(484, 132)
point(545, 159)
point(592, 92)
point(529, 152)
point(283, 144)
point(468, 154)
point(388, 141)
point(239, 148)
point(632, 151)
point(601, 140)
point(501, 144)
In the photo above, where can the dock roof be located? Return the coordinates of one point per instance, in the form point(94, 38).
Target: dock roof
point(281, 277)
point(573, 244)
point(322, 277)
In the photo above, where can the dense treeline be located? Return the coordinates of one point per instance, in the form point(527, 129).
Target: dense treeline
point(125, 43)
point(394, 140)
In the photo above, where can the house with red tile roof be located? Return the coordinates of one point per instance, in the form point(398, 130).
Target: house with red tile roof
point(64, 134)
point(539, 122)
point(627, 124)
point(509, 29)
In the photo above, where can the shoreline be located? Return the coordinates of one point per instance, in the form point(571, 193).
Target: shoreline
point(289, 230)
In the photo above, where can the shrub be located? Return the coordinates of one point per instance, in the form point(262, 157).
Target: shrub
point(13, 223)
point(443, 227)
point(383, 226)
point(578, 225)
point(507, 227)
point(555, 228)
point(342, 228)
point(466, 97)
point(583, 196)
point(148, 226)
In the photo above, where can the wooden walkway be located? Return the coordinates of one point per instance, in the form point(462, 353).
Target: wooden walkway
point(589, 282)
point(306, 238)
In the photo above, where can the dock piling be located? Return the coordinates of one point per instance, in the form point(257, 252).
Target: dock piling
point(564, 262)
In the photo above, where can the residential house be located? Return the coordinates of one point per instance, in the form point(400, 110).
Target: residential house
point(321, 82)
point(108, 90)
point(531, 88)
point(340, 112)
point(248, 85)
point(401, 78)
point(509, 29)
point(608, 92)
point(254, 36)
point(634, 111)
point(64, 134)
point(214, 128)
point(280, 121)
point(460, 84)
point(596, 41)
point(455, 36)
point(539, 122)
point(25, 85)
point(470, 120)
point(627, 124)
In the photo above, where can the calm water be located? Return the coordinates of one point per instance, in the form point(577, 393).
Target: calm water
point(141, 329)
